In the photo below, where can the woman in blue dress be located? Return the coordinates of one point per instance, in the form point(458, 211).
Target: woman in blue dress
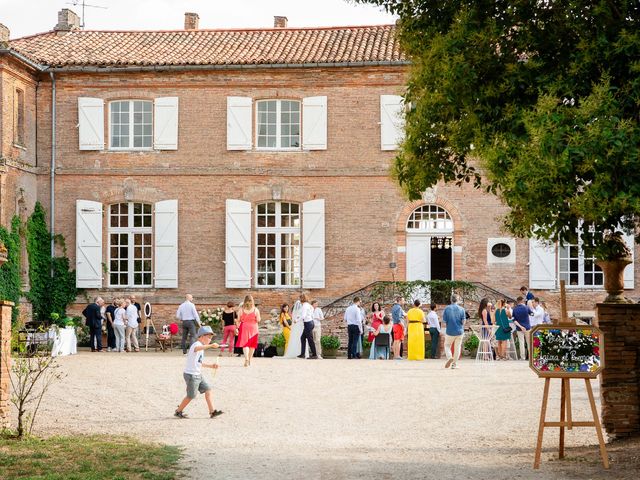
point(503, 333)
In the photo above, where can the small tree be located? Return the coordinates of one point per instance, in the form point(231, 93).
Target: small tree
point(30, 379)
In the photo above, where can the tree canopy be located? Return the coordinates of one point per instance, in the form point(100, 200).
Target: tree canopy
point(536, 101)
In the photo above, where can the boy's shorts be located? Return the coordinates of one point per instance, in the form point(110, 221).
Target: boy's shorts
point(195, 383)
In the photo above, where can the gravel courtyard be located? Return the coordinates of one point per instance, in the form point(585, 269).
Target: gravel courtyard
point(325, 419)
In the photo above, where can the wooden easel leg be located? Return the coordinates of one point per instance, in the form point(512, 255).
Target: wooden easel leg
point(596, 421)
point(563, 405)
point(543, 414)
point(568, 399)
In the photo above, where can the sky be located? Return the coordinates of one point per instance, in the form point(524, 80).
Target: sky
point(26, 17)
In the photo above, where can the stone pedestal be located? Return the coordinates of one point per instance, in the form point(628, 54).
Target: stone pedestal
point(620, 379)
point(5, 361)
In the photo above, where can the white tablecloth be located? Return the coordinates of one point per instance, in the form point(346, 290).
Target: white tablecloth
point(65, 343)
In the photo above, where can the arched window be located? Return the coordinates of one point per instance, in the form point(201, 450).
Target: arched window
point(278, 244)
point(130, 245)
point(429, 218)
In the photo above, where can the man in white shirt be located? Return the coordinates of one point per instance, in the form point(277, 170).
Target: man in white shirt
point(193, 373)
point(318, 316)
point(306, 314)
point(353, 319)
point(188, 314)
point(538, 312)
point(131, 333)
point(434, 331)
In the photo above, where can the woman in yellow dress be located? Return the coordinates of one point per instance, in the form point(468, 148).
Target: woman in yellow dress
point(415, 341)
point(285, 322)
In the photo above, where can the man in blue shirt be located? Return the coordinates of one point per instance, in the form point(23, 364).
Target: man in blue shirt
point(521, 320)
point(397, 313)
point(454, 318)
point(528, 296)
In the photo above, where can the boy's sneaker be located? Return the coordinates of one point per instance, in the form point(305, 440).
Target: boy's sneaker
point(215, 413)
point(449, 362)
point(179, 414)
point(455, 365)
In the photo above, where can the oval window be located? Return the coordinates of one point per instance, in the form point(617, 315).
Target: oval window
point(501, 250)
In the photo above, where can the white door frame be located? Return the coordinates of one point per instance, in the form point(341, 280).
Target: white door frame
point(427, 239)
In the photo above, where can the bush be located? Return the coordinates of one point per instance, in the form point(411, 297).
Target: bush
point(278, 340)
point(330, 342)
point(471, 343)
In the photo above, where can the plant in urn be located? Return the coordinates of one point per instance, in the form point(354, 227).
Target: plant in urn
point(614, 255)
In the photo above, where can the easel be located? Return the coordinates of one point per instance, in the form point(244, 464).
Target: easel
point(566, 419)
point(147, 322)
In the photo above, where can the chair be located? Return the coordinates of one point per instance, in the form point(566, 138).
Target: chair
point(164, 340)
point(383, 340)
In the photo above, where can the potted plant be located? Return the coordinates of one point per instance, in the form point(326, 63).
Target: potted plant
point(471, 344)
point(278, 341)
point(613, 257)
point(330, 345)
point(366, 347)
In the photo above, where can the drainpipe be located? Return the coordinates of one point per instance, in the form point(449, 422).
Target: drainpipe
point(52, 201)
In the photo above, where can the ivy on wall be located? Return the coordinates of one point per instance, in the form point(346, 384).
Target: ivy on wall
point(10, 281)
point(52, 283)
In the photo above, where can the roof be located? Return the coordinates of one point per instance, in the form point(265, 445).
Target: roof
point(292, 46)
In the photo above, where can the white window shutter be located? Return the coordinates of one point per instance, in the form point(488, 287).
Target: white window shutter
point(314, 123)
point(88, 244)
point(238, 244)
point(313, 244)
point(166, 244)
point(239, 121)
point(391, 121)
point(90, 123)
point(628, 271)
point(542, 264)
point(165, 123)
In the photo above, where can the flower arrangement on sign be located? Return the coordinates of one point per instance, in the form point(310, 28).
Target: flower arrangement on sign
point(212, 317)
point(566, 350)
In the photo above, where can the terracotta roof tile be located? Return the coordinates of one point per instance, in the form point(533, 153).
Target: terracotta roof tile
point(212, 47)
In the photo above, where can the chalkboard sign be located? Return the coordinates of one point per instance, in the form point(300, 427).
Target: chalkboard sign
point(566, 351)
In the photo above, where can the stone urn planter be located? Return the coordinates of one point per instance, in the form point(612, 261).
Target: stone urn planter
point(614, 278)
point(280, 351)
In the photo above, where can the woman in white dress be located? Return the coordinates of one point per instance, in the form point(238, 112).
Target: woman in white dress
point(295, 345)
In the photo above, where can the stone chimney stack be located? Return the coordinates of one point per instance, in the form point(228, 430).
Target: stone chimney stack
point(191, 21)
point(4, 36)
point(280, 22)
point(67, 20)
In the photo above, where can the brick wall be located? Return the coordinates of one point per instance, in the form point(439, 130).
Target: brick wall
point(620, 379)
point(5, 362)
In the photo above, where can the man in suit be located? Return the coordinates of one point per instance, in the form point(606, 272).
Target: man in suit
point(93, 318)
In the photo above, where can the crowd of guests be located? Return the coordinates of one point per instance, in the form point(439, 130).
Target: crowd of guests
point(122, 321)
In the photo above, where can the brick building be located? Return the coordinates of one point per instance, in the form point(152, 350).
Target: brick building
point(220, 162)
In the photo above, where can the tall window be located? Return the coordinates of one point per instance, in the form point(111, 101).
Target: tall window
point(130, 245)
point(576, 269)
point(19, 118)
point(278, 124)
point(131, 125)
point(278, 244)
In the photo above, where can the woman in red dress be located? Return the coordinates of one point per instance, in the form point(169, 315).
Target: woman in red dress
point(249, 317)
point(376, 319)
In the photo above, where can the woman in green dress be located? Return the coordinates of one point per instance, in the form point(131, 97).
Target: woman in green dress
point(503, 333)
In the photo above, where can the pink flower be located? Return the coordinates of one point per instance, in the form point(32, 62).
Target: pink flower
point(536, 342)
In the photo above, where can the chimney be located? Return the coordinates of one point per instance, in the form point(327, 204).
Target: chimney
point(4, 36)
point(67, 21)
point(191, 21)
point(279, 22)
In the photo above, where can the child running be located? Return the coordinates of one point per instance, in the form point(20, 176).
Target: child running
point(193, 375)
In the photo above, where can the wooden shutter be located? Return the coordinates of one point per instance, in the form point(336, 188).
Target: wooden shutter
point(314, 123)
point(166, 244)
point(313, 244)
point(165, 123)
point(90, 123)
point(88, 244)
point(239, 121)
point(629, 269)
point(238, 244)
point(391, 121)
point(542, 265)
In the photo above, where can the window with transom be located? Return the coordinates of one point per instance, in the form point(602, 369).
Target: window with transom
point(130, 125)
point(130, 245)
point(278, 124)
point(430, 218)
point(278, 244)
